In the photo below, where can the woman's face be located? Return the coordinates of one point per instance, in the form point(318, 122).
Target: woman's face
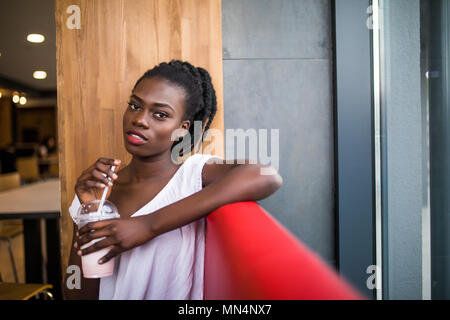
point(155, 110)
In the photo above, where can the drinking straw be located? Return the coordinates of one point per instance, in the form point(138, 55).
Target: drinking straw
point(102, 201)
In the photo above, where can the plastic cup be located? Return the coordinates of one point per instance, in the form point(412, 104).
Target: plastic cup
point(89, 263)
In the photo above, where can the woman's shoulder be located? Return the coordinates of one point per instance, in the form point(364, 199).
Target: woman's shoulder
point(199, 159)
point(202, 157)
point(193, 166)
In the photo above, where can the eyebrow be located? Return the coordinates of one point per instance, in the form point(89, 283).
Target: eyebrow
point(158, 104)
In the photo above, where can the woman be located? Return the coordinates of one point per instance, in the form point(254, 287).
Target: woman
point(161, 254)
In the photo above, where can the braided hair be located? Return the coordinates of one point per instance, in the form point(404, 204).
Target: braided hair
point(201, 102)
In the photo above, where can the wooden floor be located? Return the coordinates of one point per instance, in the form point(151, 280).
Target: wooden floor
point(5, 263)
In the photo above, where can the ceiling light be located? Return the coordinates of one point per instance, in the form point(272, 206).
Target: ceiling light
point(39, 74)
point(0, 94)
point(35, 38)
point(23, 100)
point(15, 98)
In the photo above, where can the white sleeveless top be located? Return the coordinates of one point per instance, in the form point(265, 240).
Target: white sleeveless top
point(170, 266)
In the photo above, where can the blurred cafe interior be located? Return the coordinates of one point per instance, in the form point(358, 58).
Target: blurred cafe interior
point(28, 142)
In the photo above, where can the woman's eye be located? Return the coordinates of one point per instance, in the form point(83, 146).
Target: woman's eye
point(133, 106)
point(161, 115)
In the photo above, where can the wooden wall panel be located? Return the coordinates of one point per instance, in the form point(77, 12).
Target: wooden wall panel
point(98, 64)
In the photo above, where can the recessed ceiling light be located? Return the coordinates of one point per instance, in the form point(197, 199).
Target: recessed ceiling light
point(35, 38)
point(39, 74)
point(15, 98)
point(23, 100)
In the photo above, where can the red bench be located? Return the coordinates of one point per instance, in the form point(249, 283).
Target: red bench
point(249, 255)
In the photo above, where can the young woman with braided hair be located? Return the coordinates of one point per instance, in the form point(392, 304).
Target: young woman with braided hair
point(159, 240)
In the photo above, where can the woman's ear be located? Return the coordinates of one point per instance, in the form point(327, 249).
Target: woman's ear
point(186, 124)
point(184, 128)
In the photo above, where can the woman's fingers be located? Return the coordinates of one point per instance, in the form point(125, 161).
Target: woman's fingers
point(103, 173)
point(102, 165)
point(111, 254)
point(94, 184)
point(91, 226)
point(99, 245)
point(88, 237)
point(100, 177)
point(95, 178)
point(105, 169)
point(111, 162)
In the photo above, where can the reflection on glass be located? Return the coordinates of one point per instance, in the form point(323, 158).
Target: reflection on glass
point(436, 26)
point(414, 122)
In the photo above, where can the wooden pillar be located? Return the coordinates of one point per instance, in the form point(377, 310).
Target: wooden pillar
point(99, 62)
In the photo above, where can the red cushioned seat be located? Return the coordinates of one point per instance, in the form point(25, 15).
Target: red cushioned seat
point(249, 255)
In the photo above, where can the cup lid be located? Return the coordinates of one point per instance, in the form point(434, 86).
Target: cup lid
point(89, 211)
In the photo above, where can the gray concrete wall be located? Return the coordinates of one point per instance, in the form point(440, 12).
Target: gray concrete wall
point(278, 75)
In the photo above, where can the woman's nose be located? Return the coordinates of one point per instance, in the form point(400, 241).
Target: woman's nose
point(140, 120)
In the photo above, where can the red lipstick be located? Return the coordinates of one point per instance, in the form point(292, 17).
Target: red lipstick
point(136, 138)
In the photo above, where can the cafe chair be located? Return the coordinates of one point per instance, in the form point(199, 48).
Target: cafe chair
point(10, 228)
point(8, 232)
point(51, 172)
point(54, 170)
point(9, 181)
point(28, 168)
point(25, 291)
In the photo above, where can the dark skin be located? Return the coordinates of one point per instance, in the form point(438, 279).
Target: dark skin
point(149, 171)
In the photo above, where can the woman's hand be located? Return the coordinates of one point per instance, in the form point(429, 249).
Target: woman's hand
point(94, 179)
point(121, 234)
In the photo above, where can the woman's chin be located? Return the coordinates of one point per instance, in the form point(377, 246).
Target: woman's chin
point(135, 150)
point(139, 151)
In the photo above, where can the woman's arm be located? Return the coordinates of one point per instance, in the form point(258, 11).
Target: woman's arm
point(89, 288)
point(224, 183)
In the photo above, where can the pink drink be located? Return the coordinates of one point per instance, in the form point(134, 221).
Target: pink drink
point(91, 267)
point(89, 263)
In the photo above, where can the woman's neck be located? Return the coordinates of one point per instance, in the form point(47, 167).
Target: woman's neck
point(143, 169)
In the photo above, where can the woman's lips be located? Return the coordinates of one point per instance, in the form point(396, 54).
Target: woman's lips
point(134, 139)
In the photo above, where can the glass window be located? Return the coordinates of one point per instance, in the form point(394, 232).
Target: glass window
point(411, 50)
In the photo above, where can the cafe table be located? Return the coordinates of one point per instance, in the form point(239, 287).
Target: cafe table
point(33, 202)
